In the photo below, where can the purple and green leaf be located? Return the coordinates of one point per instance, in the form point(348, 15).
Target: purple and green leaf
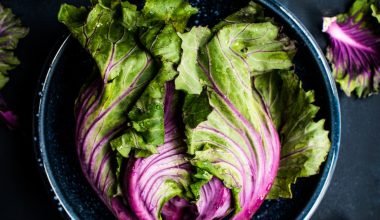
point(123, 70)
point(304, 141)
point(354, 49)
point(227, 158)
point(237, 143)
point(150, 182)
point(11, 31)
point(129, 80)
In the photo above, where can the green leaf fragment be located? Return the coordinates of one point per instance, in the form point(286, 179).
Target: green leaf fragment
point(130, 140)
point(304, 142)
point(11, 31)
point(375, 12)
point(175, 12)
point(147, 115)
point(192, 77)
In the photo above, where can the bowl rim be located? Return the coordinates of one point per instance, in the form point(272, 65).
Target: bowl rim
point(281, 11)
point(38, 136)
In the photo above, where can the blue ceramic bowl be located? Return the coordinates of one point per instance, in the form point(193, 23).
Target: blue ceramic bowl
point(68, 68)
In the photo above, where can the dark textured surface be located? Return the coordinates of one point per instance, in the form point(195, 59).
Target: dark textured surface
point(354, 192)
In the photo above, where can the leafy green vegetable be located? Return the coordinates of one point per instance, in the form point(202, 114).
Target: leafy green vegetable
point(124, 69)
point(354, 48)
point(238, 140)
point(131, 93)
point(175, 12)
point(375, 12)
point(153, 117)
point(304, 143)
point(160, 177)
point(147, 115)
point(238, 100)
point(11, 31)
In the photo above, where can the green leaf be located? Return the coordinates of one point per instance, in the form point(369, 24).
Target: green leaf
point(375, 12)
point(11, 29)
point(196, 109)
point(304, 141)
point(147, 115)
point(136, 55)
point(192, 77)
point(223, 145)
point(199, 179)
point(175, 12)
point(3, 80)
point(132, 18)
point(119, 161)
point(355, 65)
point(359, 9)
point(10, 34)
point(130, 140)
point(123, 70)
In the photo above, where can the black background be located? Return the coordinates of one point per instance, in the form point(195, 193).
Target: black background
point(354, 192)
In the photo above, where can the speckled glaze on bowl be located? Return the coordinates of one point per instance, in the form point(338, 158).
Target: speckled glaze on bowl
point(67, 70)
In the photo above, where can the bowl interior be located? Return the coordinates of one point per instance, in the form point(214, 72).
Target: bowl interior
point(54, 125)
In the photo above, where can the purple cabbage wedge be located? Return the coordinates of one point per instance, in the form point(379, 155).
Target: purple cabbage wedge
point(129, 82)
point(215, 200)
point(167, 188)
point(354, 50)
point(209, 151)
point(151, 182)
point(124, 69)
point(238, 142)
point(157, 174)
